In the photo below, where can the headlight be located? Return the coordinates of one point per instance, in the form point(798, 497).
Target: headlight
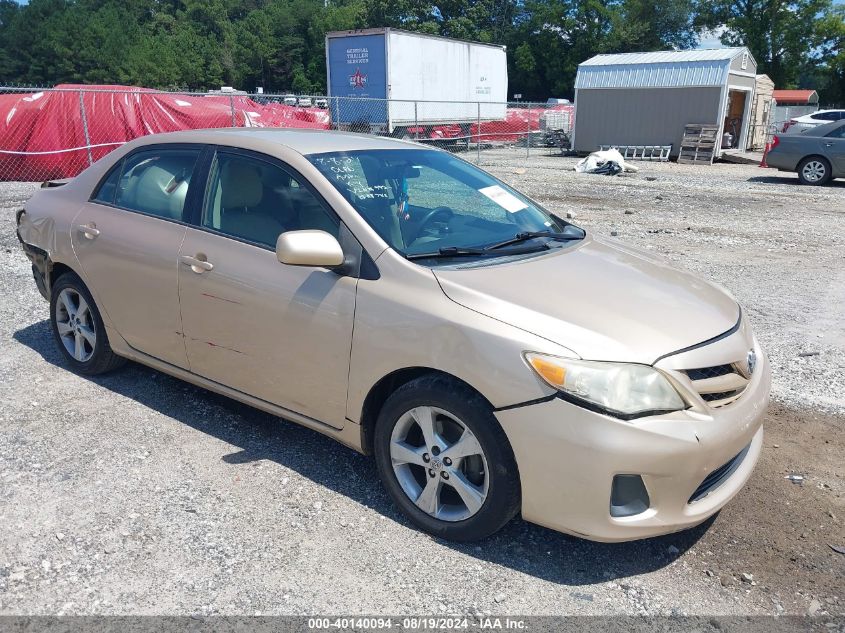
point(623, 390)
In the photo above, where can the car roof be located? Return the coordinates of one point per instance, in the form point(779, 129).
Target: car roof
point(810, 115)
point(303, 141)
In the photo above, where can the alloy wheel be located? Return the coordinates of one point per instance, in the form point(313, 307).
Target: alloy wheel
point(75, 324)
point(814, 171)
point(439, 463)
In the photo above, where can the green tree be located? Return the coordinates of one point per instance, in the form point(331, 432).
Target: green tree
point(785, 37)
point(279, 44)
point(650, 25)
point(560, 34)
point(829, 75)
point(8, 13)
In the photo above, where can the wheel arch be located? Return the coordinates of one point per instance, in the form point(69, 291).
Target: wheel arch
point(45, 270)
point(815, 155)
point(381, 391)
point(57, 269)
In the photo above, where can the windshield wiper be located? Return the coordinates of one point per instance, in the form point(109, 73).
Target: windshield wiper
point(530, 235)
point(460, 251)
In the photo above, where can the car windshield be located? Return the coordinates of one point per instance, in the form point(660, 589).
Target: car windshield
point(425, 201)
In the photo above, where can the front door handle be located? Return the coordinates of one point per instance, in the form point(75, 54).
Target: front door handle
point(828, 144)
point(90, 231)
point(198, 264)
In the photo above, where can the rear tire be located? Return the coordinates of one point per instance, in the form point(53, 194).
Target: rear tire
point(78, 328)
point(814, 170)
point(445, 461)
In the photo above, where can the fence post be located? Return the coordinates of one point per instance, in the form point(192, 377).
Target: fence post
point(528, 134)
point(416, 122)
point(337, 107)
point(232, 108)
point(85, 128)
point(477, 134)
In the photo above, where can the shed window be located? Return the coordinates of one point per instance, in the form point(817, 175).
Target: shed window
point(744, 61)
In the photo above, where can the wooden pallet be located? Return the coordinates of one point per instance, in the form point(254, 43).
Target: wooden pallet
point(699, 144)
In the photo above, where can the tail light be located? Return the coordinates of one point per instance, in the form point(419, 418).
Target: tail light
point(775, 142)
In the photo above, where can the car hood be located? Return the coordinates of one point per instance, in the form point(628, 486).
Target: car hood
point(599, 298)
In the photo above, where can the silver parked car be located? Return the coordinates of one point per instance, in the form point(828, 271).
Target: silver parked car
point(817, 154)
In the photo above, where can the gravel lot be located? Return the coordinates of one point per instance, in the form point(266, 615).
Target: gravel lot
point(134, 493)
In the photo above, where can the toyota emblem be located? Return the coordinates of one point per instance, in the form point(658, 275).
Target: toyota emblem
point(751, 361)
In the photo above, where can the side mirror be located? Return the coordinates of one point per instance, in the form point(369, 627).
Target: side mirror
point(309, 248)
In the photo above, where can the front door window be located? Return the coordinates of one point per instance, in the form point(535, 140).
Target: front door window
point(254, 200)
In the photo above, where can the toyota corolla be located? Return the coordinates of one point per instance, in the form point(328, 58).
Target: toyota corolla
point(493, 357)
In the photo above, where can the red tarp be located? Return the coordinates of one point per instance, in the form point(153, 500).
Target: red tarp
point(42, 134)
point(518, 123)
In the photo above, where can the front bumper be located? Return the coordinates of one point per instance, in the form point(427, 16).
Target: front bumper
point(567, 458)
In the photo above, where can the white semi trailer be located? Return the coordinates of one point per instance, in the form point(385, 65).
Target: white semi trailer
point(427, 81)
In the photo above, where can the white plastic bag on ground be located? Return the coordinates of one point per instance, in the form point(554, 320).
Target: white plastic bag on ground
point(595, 160)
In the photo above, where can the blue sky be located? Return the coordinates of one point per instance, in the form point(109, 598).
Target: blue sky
point(710, 40)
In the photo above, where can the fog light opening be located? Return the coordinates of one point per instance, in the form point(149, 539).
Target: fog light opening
point(628, 496)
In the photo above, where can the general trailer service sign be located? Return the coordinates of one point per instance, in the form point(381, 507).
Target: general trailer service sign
point(357, 68)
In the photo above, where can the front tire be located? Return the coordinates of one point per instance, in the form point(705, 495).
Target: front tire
point(78, 328)
point(445, 461)
point(814, 170)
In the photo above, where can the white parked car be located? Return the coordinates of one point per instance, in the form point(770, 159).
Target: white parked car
point(289, 100)
point(305, 102)
point(819, 117)
point(321, 103)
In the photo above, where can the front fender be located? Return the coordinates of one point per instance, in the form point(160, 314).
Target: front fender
point(405, 320)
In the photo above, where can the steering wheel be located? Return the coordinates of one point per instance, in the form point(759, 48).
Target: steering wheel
point(430, 216)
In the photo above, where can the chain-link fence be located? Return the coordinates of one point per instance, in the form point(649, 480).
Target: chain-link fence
point(782, 114)
point(58, 132)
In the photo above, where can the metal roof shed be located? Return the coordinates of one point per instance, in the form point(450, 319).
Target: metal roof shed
point(648, 98)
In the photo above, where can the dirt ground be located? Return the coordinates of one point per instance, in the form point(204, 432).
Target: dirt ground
point(134, 493)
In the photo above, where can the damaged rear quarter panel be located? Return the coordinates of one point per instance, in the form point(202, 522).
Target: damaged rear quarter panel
point(44, 232)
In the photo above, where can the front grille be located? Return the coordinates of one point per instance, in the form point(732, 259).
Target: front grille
point(719, 385)
point(718, 476)
point(720, 395)
point(710, 372)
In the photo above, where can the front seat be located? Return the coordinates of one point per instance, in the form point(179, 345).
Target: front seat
point(241, 192)
point(159, 189)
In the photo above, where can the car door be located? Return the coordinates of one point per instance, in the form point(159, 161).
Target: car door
point(127, 239)
point(276, 332)
point(833, 146)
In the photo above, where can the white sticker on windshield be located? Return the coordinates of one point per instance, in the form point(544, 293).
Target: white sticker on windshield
point(504, 199)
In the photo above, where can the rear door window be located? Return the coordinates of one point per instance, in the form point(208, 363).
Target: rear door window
point(837, 133)
point(155, 182)
point(105, 192)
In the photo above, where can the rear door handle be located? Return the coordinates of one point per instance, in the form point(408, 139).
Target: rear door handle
point(199, 266)
point(89, 230)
